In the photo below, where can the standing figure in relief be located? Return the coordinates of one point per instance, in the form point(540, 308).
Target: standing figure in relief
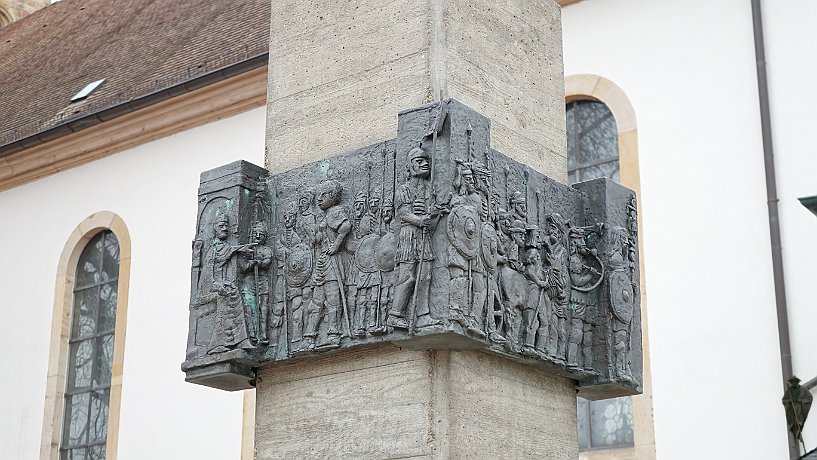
point(218, 285)
point(558, 275)
point(491, 306)
point(517, 227)
point(255, 265)
point(285, 242)
point(306, 224)
point(347, 258)
point(622, 303)
point(413, 247)
point(367, 274)
point(385, 255)
point(584, 278)
point(328, 299)
point(493, 258)
point(294, 257)
point(503, 235)
point(513, 284)
point(537, 310)
point(299, 264)
point(467, 274)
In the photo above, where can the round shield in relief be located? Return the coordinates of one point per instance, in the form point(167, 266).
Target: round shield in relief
point(622, 296)
point(386, 252)
point(464, 230)
point(299, 265)
point(365, 256)
point(490, 245)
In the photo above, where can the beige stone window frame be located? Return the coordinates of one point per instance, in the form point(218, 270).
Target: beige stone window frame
point(600, 89)
point(61, 331)
point(5, 18)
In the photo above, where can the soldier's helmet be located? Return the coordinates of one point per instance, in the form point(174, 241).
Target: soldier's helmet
point(517, 198)
point(417, 152)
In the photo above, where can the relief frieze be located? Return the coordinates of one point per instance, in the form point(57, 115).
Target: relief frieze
point(431, 240)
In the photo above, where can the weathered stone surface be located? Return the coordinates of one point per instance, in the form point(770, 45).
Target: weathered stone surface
point(432, 240)
point(396, 403)
point(375, 58)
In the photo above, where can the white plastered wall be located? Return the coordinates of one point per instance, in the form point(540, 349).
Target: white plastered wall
point(688, 67)
point(791, 47)
point(153, 188)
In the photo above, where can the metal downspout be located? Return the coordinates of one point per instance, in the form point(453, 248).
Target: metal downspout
point(772, 200)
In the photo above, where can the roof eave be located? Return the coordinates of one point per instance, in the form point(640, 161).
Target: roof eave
point(94, 118)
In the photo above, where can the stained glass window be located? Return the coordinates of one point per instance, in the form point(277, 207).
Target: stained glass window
point(592, 152)
point(605, 424)
point(90, 355)
point(592, 142)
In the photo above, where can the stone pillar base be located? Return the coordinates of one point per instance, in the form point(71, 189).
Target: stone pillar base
point(387, 402)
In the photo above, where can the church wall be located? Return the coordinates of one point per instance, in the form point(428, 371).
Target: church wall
point(152, 187)
point(689, 70)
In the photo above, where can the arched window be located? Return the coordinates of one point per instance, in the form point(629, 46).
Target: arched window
point(84, 385)
point(592, 142)
point(90, 355)
point(602, 142)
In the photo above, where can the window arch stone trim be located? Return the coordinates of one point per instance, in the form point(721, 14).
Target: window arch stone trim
point(600, 89)
point(5, 17)
point(61, 330)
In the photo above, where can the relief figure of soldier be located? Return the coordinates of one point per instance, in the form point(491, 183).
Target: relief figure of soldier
point(493, 258)
point(623, 293)
point(558, 275)
point(537, 310)
point(467, 291)
point(417, 220)
point(366, 273)
point(294, 259)
point(586, 273)
point(385, 257)
point(513, 284)
point(255, 265)
point(328, 298)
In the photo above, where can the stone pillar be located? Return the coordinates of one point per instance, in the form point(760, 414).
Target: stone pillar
point(396, 403)
point(340, 71)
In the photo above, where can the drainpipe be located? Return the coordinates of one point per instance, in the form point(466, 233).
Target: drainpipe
point(771, 201)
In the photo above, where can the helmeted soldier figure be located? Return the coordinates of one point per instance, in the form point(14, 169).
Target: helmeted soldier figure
point(467, 273)
point(622, 302)
point(413, 247)
point(558, 275)
point(385, 254)
point(536, 314)
point(364, 279)
point(256, 265)
point(328, 298)
point(584, 279)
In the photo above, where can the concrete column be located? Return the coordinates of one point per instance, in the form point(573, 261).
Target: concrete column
point(394, 403)
point(341, 70)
